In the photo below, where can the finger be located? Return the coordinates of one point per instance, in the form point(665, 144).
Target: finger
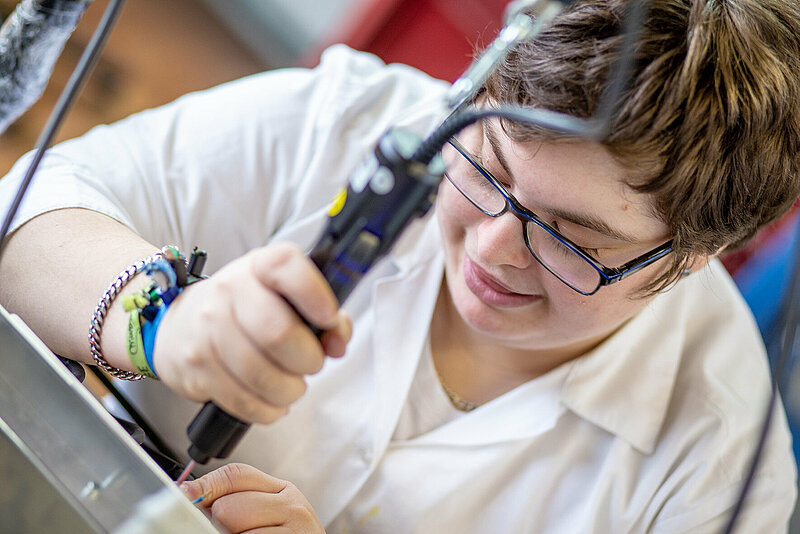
point(334, 341)
point(261, 375)
point(287, 270)
point(277, 330)
point(197, 372)
point(192, 490)
point(247, 510)
point(232, 478)
point(271, 530)
point(235, 398)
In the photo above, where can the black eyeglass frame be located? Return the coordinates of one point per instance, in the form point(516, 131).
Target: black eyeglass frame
point(608, 275)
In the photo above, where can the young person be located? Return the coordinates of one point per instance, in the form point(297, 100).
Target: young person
point(491, 382)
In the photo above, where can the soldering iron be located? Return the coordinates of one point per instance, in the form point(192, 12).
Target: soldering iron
point(394, 185)
point(387, 191)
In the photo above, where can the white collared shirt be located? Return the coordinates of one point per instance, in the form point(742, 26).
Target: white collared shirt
point(652, 431)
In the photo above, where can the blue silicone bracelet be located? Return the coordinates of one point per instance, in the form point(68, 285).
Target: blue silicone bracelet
point(149, 330)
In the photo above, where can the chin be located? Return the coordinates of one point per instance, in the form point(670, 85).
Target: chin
point(503, 324)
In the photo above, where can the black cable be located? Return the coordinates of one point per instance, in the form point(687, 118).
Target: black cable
point(65, 100)
point(593, 128)
point(552, 120)
point(152, 435)
point(67, 97)
point(621, 75)
point(790, 318)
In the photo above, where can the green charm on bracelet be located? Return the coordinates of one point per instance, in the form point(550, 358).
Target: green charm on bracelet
point(135, 346)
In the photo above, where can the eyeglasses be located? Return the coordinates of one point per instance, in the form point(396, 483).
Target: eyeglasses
point(570, 263)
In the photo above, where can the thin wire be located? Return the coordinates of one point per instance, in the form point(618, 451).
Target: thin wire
point(552, 120)
point(592, 128)
point(67, 97)
point(185, 473)
point(621, 74)
point(150, 432)
point(791, 322)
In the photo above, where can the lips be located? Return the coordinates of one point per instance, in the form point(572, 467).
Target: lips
point(491, 291)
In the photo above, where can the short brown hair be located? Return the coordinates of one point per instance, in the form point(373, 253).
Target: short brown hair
point(712, 112)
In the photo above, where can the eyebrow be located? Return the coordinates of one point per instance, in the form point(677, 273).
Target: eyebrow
point(581, 219)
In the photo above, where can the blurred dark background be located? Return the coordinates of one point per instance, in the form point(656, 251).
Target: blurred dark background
point(161, 49)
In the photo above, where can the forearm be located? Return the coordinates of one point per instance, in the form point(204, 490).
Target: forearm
point(56, 267)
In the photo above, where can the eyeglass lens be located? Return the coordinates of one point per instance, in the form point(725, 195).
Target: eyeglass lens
point(555, 255)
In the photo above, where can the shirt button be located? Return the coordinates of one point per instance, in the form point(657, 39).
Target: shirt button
point(366, 454)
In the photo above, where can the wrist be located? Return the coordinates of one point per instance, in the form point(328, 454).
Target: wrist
point(169, 274)
point(100, 314)
point(147, 308)
point(114, 340)
point(148, 337)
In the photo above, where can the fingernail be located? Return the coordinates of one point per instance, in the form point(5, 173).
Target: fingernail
point(348, 328)
point(186, 488)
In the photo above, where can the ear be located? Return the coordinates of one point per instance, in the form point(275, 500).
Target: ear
point(698, 261)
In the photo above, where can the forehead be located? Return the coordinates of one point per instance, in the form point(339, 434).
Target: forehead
point(580, 177)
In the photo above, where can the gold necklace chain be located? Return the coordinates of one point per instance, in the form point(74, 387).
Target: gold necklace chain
point(457, 402)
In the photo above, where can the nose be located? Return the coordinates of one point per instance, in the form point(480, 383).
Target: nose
point(501, 242)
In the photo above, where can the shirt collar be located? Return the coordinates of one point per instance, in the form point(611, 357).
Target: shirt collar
point(625, 384)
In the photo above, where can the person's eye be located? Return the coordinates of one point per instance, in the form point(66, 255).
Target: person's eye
point(593, 252)
point(478, 178)
point(563, 249)
point(498, 177)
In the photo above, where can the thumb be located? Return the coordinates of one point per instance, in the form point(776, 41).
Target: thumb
point(334, 341)
point(192, 489)
point(230, 478)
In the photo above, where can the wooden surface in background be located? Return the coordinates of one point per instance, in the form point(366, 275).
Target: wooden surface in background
point(158, 50)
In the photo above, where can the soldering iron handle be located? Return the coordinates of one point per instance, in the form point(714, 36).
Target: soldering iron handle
point(214, 433)
point(387, 192)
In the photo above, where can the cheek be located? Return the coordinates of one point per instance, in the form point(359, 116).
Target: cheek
point(454, 212)
point(597, 314)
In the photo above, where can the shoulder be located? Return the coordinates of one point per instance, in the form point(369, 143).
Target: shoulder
point(346, 83)
point(724, 364)
point(717, 412)
point(294, 109)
